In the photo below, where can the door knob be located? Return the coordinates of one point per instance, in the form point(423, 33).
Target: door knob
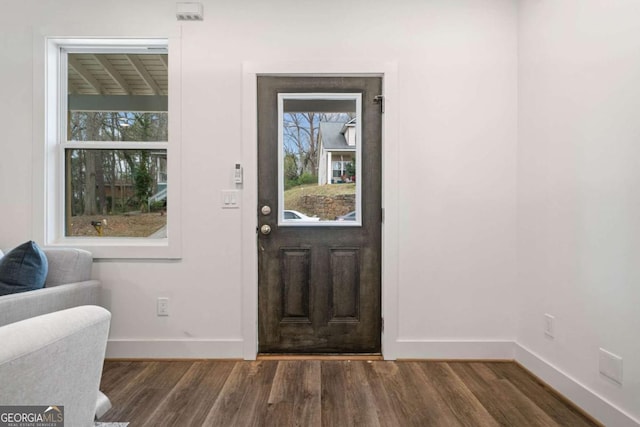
point(265, 229)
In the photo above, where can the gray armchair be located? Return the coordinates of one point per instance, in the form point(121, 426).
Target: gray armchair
point(55, 359)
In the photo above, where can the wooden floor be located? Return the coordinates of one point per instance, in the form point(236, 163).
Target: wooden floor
point(330, 393)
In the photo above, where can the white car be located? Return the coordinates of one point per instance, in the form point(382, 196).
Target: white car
point(298, 216)
point(351, 216)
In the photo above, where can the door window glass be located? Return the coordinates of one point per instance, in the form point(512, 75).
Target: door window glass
point(319, 159)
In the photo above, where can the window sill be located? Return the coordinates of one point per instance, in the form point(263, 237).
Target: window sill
point(123, 248)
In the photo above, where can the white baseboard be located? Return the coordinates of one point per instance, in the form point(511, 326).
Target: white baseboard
point(174, 349)
point(424, 349)
point(593, 404)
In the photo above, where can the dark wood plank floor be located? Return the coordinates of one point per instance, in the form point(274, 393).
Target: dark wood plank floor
point(331, 393)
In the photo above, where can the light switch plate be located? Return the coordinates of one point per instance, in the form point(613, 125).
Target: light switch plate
point(230, 199)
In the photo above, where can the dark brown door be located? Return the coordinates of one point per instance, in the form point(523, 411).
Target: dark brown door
point(319, 214)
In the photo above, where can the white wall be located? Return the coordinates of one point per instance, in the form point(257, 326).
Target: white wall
point(457, 68)
point(457, 109)
point(15, 122)
point(578, 175)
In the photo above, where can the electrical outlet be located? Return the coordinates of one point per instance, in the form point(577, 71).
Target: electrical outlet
point(549, 327)
point(163, 306)
point(610, 365)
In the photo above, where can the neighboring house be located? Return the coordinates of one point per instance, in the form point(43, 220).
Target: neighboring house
point(337, 149)
point(160, 189)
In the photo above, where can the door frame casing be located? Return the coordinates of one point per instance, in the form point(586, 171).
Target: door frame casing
point(390, 187)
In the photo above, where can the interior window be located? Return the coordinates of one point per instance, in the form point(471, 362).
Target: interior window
point(111, 182)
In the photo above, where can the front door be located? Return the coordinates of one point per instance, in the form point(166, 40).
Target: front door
point(319, 214)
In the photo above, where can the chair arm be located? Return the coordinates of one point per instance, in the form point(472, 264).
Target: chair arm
point(55, 359)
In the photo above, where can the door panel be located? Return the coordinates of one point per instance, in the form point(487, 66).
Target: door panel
point(294, 270)
point(319, 277)
point(345, 285)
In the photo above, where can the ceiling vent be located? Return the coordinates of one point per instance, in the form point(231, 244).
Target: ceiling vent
point(189, 11)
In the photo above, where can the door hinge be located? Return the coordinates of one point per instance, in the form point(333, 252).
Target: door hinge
point(382, 214)
point(382, 324)
point(379, 99)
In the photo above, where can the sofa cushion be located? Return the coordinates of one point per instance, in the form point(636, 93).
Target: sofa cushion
point(23, 269)
point(67, 265)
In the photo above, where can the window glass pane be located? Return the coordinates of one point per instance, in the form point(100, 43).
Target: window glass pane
point(319, 151)
point(116, 193)
point(118, 126)
point(117, 97)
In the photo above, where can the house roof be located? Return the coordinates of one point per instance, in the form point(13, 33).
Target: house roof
point(332, 134)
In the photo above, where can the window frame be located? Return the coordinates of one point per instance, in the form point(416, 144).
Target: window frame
point(56, 143)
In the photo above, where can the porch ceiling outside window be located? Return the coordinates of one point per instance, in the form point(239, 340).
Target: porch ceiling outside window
point(131, 82)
